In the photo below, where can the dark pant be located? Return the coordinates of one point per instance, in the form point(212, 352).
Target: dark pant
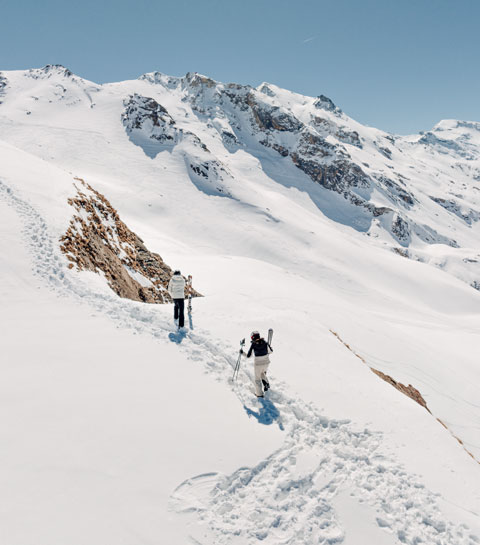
point(178, 311)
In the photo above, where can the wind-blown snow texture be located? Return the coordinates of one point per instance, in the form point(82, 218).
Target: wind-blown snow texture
point(291, 215)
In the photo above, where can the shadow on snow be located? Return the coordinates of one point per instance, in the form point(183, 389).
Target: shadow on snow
point(177, 337)
point(267, 413)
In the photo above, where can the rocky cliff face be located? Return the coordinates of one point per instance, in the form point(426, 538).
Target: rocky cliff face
point(97, 240)
point(384, 181)
point(150, 126)
point(319, 143)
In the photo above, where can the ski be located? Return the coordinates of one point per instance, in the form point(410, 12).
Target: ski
point(189, 294)
point(237, 365)
point(270, 335)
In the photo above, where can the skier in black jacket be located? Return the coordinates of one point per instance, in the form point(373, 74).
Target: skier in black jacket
point(261, 349)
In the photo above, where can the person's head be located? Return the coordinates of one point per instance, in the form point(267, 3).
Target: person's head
point(255, 336)
point(176, 272)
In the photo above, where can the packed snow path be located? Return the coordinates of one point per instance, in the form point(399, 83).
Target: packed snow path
point(294, 495)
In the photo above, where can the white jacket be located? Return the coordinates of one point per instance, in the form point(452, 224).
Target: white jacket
point(176, 287)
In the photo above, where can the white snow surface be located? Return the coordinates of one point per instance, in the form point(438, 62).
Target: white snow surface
point(117, 429)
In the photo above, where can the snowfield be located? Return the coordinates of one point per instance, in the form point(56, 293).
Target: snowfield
point(118, 429)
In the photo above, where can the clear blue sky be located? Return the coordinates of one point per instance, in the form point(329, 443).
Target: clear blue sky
point(400, 65)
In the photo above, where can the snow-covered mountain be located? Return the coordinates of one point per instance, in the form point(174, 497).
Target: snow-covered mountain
point(360, 248)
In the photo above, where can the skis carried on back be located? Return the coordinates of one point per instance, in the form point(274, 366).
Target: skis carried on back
point(270, 336)
point(189, 294)
point(237, 365)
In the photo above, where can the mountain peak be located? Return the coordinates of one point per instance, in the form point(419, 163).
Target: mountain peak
point(48, 70)
point(324, 103)
point(195, 79)
point(158, 78)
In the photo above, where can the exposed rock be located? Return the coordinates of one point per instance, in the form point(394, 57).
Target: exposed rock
point(349, 137)
point(409, 390)
point(341, 133)
point(157, 78)
point(313, 145)
point(230, 141)
point(266, 90)
point(195, 80)
point(281, 149)
point(386, 152)
point(97, 240)
point(273, 118)
point(430, 236)
point(324, 103)
point(397, 193)
point(401, 230)
point(147, 122)
point(320, 147)
point(141, 111)
point(338, 176)
point(49, 70)
point(469, 216)
point(401, 251)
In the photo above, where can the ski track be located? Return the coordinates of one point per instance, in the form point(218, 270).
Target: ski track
point(288, 497)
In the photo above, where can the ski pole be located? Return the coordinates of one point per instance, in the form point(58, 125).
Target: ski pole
point(237, 365)
point(189, 293)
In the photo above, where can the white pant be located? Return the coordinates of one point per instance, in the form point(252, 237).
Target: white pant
point(261, 366)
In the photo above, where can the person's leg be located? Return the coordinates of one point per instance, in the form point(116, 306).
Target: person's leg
point(175, 309)
point(264, 378)
point(258, 380)
point(181, 317)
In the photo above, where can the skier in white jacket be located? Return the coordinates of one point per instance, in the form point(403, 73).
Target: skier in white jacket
point(176, 289)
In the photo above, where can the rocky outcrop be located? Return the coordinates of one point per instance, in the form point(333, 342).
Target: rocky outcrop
point(324, 103)
point(410, 391)
point(395, 190)
point(468, 215)
point(97, 240)
point(48, 71)
point(146, 113)
point(150, 126)
point(401, 230)
point(272, 118)
point(309, 147)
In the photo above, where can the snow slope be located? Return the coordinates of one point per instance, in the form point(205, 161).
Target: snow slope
point(121, 432)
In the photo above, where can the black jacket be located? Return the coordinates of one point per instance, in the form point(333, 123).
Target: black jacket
point(259, 348)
